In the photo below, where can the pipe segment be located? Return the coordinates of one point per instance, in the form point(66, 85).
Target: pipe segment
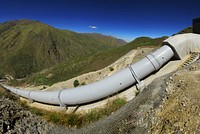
point(103, 88)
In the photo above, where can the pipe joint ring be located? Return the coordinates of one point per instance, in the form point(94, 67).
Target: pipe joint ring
point(134, 74)
point(29, 97)
point(59, 99)
point(153, 61)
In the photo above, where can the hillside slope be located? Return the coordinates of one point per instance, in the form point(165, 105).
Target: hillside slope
point(186, 30)
point(28, 46)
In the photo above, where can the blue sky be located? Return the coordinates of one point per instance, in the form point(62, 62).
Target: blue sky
point(126, 19)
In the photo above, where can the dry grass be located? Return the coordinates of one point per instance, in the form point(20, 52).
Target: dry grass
point(74, 119)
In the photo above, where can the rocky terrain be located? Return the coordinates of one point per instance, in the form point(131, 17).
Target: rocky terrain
point(180, 110)
point(15, 119)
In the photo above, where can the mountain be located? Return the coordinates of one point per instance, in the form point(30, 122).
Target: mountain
point(28, 46)
point(147, 41)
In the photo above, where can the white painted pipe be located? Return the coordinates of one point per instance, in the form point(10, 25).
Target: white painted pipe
point(178, 46)
point(103, 88)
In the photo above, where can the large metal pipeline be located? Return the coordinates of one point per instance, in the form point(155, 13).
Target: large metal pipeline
point(103, 88)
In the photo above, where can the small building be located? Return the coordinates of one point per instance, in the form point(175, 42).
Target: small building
point(196, 25)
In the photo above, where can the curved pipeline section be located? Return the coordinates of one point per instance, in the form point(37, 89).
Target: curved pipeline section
point(103, 88)
point(178, 46)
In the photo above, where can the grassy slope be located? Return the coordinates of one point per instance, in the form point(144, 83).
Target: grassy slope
point(186, 30)
point(106, 39)
point(29, 46)
point(79, 65)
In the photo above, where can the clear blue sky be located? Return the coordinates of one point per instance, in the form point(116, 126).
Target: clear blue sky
point(126, 19)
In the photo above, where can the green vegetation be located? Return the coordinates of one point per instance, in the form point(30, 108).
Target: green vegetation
point(84, 83)
point(111, 68)
point(92, 62)
point(76, 83)
point(41, 80)
point(1, 75)
point(29, 46)
point(78, 120)
point(186, 30)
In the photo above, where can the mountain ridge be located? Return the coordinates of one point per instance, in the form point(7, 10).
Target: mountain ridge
point(186, 30)
point(28, 46)
point(108, 37)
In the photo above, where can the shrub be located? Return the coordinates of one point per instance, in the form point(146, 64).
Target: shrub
point(73, 120)
point(54, 117)
point(76, 83)
point(1, 75)
point(84, 83)
point(40, 80)
point(111, 68)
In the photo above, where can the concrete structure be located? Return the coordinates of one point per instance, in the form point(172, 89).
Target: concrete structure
point(184, 44)
point(196, 26)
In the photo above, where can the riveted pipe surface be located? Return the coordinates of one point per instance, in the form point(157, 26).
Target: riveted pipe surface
point(102, 88)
